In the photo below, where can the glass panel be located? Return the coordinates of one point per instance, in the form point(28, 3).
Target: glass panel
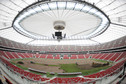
point(52, 5)
point(79, 6)
point(70, 5)
point(86, 8)
point(61, 5)
point(45, 7)
point(38, 9)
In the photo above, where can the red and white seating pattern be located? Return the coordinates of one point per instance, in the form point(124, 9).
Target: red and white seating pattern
point(57, 57)
point(60, 48)
point(49, 56)
point(42, 56)
point(73, 80)
point(107, 56)
point(26, 74)
point(102, 56)
point(81, 56)
point(73, 57)
point(16, 55)
point(65, 57)
point(108, 72)
point(35, 77)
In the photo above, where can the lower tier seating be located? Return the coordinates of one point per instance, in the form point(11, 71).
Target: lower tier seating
point(34, 77)
point(102, 56)
point(26, 74)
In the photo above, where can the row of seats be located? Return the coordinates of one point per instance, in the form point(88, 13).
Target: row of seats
point(109, 56)
point(108, 72)
point(23, 74)
point(117, 43)
point(73, 80)
point(16, 55)
point(103, 56)
point(35, 77)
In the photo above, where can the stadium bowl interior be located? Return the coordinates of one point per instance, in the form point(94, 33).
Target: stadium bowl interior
point(62, 41)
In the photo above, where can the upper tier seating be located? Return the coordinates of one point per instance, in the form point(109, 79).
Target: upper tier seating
point(113, 44)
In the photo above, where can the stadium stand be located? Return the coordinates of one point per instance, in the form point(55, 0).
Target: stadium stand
point(104, 56)
point(49, 56)
point(108, 72)
point(65, 57)
point(81, 56)
point(22, 73)
point(73, 57)
point(92, 30)
point(42, 56)
point(114, 44)
point(57, 57)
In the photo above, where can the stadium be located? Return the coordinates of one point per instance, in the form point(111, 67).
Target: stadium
point(62, 41)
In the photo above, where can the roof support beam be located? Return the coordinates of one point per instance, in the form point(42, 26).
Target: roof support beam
point(95, 41)
point(109, 4)
point(118, 24)
point(82, 31)
point(8, 7)
point(30, 41)
point(15, 4)
point(6, 28)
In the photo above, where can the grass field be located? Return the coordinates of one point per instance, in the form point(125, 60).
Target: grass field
point(103, 61)
point(73, 68)
point(68, 68)
point(20, 66)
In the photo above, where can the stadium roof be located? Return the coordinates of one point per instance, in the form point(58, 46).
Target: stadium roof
point(80, 23)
